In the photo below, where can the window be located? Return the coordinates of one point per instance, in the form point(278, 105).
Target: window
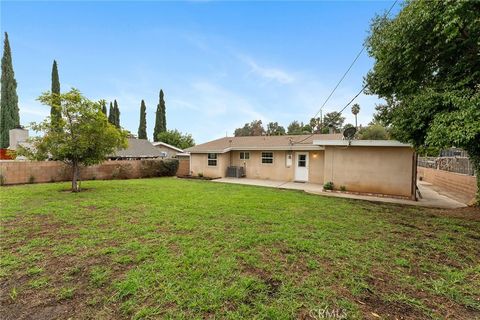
point(212, 159)
point(244, 155)
point(267, 157)
point(302, 160)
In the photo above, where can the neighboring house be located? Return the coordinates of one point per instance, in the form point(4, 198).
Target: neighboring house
point(168, 150)
point(17, 138)
point(369, 166)
point(137, 149)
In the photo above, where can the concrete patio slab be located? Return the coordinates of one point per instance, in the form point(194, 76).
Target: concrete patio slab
point(430, 197)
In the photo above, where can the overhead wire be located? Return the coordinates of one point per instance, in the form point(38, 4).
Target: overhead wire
point(342, 78)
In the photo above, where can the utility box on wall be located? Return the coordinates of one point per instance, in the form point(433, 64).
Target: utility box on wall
point(288, 159)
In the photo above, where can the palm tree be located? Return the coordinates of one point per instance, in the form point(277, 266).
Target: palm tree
point(355, 111)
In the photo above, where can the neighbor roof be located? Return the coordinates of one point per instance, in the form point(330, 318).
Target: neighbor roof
point(287, 142)
point(160, 143)
point(138, 148)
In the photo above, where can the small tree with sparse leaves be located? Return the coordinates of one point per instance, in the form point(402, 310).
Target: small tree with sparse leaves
point(82, 137)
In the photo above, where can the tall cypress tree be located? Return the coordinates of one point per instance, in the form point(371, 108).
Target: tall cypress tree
point(117, 113)
point(159, 122)
point(104, 106)
point(55, 111)
point(163, 109)
point(9, 113)
point(142, 128)
point(111, 114)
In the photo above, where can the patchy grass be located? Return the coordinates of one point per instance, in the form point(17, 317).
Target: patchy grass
point(171, 248)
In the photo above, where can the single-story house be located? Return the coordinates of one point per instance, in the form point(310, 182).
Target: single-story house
point(137, 149)
point(368, 166)
point(168, 150)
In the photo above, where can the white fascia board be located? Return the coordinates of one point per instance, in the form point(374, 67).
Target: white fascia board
point(362, 143)
point(167, 145)
point(266, 148)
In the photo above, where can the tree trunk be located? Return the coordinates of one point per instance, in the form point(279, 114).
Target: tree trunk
point(476, 169)
point(474, 155)
point(75, 175)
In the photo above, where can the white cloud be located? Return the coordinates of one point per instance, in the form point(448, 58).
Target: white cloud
point(269, 73)
point(39, 112)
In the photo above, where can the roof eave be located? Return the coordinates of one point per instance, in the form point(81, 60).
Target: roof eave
point(362, 143)
point(309, 147)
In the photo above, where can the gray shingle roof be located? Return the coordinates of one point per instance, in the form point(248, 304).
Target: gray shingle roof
point(138, 148)
point(262, 142)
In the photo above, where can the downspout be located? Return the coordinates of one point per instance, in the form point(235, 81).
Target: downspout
point(414, 176)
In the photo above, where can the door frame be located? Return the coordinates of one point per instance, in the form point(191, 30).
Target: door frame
point(306, 168)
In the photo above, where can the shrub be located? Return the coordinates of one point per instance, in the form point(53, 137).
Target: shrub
point(158, 168)
point(122, 171)
point(200, 175)
point(169, 167)
point(328, 186)
point(343, 188)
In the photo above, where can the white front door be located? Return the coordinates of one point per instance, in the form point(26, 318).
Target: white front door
point(301, 166)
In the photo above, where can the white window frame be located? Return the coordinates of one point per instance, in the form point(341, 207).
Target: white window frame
point(245, 154)
point(215, 159)
point(262, 157)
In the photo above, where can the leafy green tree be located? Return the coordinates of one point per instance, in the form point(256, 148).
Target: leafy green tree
point(373, 132)
point(427, 69)
point(142, 128)
point(55, 109)
point(295, 128)
point(254, 128)
point(274, 129)
point(111, 114)
point(82, 137)
point(176, 138)
point(355, 111)
point(315, 125)
point(116, 112)
point(333, 120)
point(9, 113)
point(160, 117)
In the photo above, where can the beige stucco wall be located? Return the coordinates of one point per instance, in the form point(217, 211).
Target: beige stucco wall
point(316, 166)
point(254, 167)
point(199, 165)
point(385, 170)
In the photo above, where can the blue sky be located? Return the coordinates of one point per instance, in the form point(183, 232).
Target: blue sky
point(220, 64)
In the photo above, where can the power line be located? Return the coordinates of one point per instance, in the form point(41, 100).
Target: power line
point(350, 67)
point(339, 113)
point(340, 81)
point(343, 77)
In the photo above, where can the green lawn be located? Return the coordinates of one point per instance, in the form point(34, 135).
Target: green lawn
point(174, 248)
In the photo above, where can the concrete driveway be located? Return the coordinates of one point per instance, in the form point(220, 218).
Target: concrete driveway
point(431, 198)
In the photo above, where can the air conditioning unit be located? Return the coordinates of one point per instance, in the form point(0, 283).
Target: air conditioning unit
point(235, 172)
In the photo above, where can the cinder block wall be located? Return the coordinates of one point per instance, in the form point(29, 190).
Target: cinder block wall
point(183, 166)
point(20, 172)
point(461, 184)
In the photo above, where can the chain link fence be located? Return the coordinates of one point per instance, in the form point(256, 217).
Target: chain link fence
point(453, 164)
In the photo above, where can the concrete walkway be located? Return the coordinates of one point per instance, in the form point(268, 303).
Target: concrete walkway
point(431, 198)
